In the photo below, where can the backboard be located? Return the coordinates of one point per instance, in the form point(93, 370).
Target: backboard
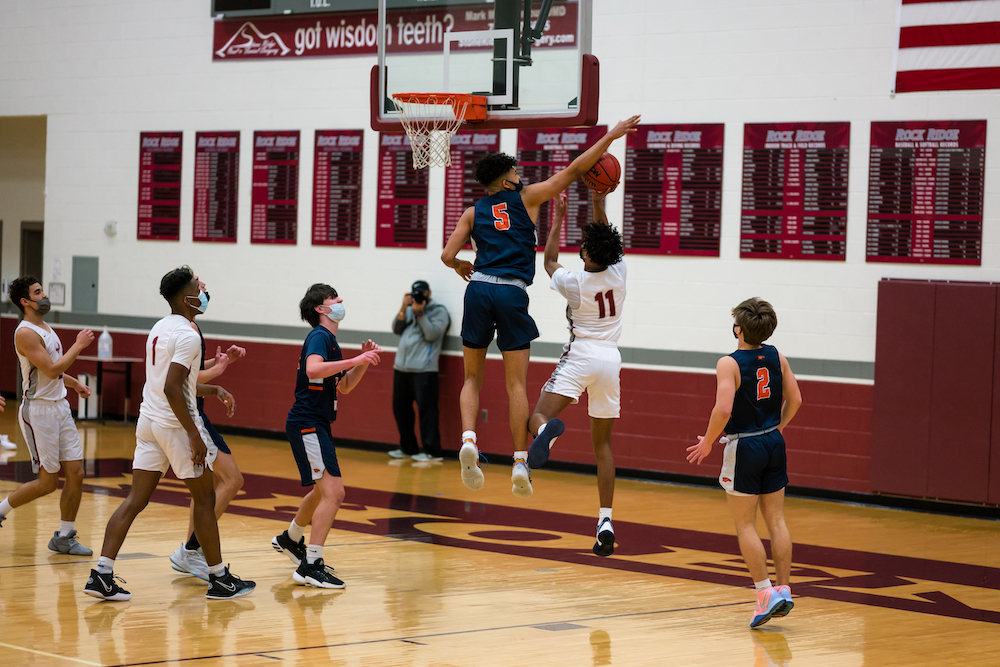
point(530, 58)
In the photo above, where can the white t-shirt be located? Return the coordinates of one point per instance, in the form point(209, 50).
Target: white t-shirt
point(36, 384)
point(171, 341)
point(596, 301)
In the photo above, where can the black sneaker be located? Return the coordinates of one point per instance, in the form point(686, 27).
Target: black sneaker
point(105, 587)
point(227, 586)
point(317, 575)
point(605, 544)
point(538, 452)
point(296, 551)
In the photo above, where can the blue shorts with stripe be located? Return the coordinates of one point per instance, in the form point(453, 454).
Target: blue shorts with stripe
point(216, 438)
point(755, 465)
point(312, 446)
point(491, 307)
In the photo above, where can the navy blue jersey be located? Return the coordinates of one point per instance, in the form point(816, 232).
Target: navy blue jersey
point(505, 237)
point(757, 405)
point(316, 400)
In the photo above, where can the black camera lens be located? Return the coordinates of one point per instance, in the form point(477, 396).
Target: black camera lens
point(418, 297)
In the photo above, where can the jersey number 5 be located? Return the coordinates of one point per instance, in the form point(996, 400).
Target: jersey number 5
point(500, 218)
point(610, 295)
point(763, 379)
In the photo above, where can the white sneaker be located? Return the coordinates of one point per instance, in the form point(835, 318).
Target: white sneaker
point(424, 456)
point(520, 479)
point(5, 443)
point(472, 476)
point(399, 454)
point(190, 562)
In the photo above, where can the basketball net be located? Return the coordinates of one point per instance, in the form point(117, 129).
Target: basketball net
point(431, 120)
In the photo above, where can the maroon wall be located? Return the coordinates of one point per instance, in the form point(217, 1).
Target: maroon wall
point(663, 412)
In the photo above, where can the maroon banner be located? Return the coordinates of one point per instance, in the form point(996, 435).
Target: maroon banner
point(461, 189)
point(925, 192)
point(543, 152)
point(355, 33)
point(337, 187)
point(275, 193)
point(795, 191)
point(673, 190)
point(159, 186)
point(216, 181)
point(401, 219)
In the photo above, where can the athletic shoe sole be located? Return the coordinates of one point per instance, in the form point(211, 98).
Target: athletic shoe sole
point(281, 550)
point(605, 544)
point(309, 581)
point(783, 609)
point(520, 482)
point(538, 452)
point(472, 476)
point(243, 592)
point(183, 570)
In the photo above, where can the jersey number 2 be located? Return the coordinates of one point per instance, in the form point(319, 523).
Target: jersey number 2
point(500, 218)
point(763, 379)
point(610, 294)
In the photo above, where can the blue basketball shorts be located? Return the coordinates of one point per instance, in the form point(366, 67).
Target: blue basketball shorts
point(216, 438)
point(312, 446)
point(755, 466)
point(501, 308)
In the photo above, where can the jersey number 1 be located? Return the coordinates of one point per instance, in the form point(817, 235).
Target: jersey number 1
point(500, 218)
point(610, 294)
point(763, 379)
point(153, 351)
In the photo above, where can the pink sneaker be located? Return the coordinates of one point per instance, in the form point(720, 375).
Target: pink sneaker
point(768, 601)
point(786, 598)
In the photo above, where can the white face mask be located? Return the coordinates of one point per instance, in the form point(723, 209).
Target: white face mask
point(337, 312)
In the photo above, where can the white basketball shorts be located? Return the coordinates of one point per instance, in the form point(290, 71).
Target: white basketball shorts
point(158, 448)
point(50, 433)
point(591, 366)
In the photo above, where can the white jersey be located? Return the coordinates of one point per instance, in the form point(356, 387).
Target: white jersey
point(171, 341)
point(596, 301)
point(36, 384)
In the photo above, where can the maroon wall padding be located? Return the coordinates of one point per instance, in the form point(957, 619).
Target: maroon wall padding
point(901, 400)
point(663, 412)
point(962, 394)
point(993, 495)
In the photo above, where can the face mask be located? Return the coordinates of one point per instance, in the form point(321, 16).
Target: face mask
point(44, 305)
point(735, 335)
point(203, 299)
point(517, 186)
point(337, 312)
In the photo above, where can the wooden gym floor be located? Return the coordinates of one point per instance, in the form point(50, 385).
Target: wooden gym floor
point(439, 575)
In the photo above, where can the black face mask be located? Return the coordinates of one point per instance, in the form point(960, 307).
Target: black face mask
point(44, 305)
point(517, 186)
point(735, 335)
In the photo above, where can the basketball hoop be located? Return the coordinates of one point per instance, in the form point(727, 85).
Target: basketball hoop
point(431, 120)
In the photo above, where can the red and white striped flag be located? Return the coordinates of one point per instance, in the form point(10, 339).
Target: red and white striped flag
point(948, 45)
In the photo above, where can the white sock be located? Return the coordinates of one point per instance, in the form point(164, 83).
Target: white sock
point(313, 553)
point(761, 585)
point(65, 528)
point(603, 513)
point(521, 455)
point(105, 565)
point(469, 435)
point(295, 531)
point(218, 570)
point(5, 508)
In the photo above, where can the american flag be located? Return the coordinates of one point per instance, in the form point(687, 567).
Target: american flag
point(948, 45)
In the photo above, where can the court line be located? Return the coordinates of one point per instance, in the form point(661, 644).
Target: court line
point(411, 639)
point(52, 655)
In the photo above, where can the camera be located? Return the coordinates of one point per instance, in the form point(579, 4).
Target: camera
point(418, 296)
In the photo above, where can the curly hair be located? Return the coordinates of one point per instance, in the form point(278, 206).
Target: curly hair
point(603, 243)
point(175, 281)
point(20, 288)
point(315, 296)
point(493, 166)
point(757, 319)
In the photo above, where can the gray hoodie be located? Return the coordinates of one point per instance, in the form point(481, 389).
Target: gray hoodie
point(420, 338)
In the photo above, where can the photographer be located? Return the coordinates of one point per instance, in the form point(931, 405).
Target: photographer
point(421, 324)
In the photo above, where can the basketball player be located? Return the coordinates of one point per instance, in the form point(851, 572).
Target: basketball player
point(322, 372)
point(590, 361)
point(189, 557)
point(45, 418)
point(757, 396)
point(170, 434)
point(502, 227)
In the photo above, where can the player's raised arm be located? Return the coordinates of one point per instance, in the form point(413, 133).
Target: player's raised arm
point(458, 238)
point(598, 200)
point(536, 194)
point(559, 206)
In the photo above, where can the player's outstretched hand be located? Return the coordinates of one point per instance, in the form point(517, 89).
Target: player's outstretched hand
point(236, 352)
point(465, 269)
point(625, 126)
point(697, 453)
point(227, 399)
point(559, 206)
point(80, 388)
point(370, 345)
point(221, 360)
point(369, 357)
point(85, 338)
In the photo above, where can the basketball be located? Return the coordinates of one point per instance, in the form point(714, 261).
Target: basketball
point(604, 176)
